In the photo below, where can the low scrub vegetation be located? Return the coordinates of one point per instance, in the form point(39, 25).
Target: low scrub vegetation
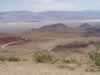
point(95, 56)
point(9, 59)
point(43, 57)
point(97, 59)
point(47, 57)
point(13, 59)
point(69, 61)
point(2, 59)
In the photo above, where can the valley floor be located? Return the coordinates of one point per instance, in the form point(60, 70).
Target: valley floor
point(61, 43)
point(41, 69)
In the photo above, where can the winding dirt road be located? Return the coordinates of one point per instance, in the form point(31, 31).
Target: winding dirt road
point(10, 43)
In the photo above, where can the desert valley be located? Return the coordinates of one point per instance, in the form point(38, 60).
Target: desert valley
point(57, 48)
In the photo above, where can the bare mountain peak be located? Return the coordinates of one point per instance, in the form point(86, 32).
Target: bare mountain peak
point(57, 26)
point(85, 25)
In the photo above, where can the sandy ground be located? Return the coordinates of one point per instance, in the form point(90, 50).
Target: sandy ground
point(40, 69)
point(42, 41)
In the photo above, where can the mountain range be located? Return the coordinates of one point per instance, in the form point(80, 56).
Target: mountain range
point(27, 16)
point(57, 26)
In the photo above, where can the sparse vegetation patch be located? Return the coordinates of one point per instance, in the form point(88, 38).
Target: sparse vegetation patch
point(43, 57)
point(10, 59)
point(14, 59)
point(47, 57)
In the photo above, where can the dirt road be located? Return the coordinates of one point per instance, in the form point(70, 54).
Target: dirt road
point(8, 44)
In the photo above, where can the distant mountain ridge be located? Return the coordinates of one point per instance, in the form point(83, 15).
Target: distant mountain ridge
point(90, 30)
point(27, 16)
point(86, 26)
point(57, 26)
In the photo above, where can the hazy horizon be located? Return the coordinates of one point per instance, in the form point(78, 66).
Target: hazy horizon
point(49, 5)
point(45, 6)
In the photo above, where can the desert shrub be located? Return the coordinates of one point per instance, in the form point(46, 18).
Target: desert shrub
point(97, 59)
point(65, 60)
point(68, 61)
point(43, 57)
point(9, 59)
point(95, 56)
point(92, 55)
point(13, 59)
point(97, 47)
point(55, 60)
point(47, 57)
point(2, 59)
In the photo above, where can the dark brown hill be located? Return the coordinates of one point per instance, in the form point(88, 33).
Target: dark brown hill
point(57, 26)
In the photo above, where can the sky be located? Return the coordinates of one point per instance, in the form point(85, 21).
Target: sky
point(48, 5)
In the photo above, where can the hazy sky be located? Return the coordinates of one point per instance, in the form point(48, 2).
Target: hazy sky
point(46, 5)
